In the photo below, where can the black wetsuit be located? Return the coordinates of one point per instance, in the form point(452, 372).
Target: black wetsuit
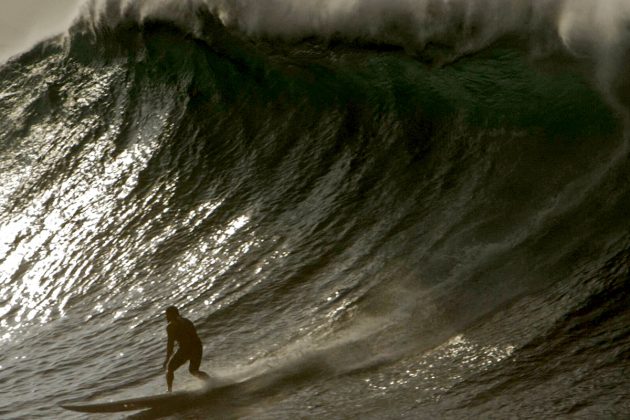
point(183, 331)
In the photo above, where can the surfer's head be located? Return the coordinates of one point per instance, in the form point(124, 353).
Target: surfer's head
point(171, 313)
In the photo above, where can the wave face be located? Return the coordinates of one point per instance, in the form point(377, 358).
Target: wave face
point(362, 220)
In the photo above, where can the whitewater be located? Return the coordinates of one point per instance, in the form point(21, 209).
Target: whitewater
point(371, 209)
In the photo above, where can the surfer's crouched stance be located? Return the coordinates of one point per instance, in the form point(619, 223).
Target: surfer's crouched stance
point(183, 331)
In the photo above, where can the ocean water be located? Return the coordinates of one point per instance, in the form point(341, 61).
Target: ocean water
point(379, 210)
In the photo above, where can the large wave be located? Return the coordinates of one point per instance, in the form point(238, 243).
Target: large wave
point(412, 193)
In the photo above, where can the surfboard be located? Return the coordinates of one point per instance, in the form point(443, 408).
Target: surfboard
point(141, 403)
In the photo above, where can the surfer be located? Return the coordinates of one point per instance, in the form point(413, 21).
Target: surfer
point(189, 348)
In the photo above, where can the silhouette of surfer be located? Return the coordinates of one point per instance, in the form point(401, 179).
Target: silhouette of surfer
point(189, 348)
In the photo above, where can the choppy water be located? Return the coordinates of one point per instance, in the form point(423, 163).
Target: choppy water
point(387, 210)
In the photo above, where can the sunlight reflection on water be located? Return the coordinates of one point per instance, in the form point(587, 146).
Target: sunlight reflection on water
point(444, 366)
point(45, 255)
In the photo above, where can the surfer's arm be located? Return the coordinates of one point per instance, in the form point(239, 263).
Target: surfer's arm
point(170, 344)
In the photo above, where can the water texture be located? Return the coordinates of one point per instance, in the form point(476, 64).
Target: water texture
point(403, 209)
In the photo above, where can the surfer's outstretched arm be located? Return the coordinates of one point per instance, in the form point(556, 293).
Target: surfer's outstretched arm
point(170, 375)
point(170, 344)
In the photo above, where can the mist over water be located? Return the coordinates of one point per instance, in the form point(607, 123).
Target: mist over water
point(402, 209)
point(602, 24)
point(597, 31)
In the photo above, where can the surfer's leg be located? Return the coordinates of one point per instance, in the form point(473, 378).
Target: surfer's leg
point(178, 359)
point(195, 362)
